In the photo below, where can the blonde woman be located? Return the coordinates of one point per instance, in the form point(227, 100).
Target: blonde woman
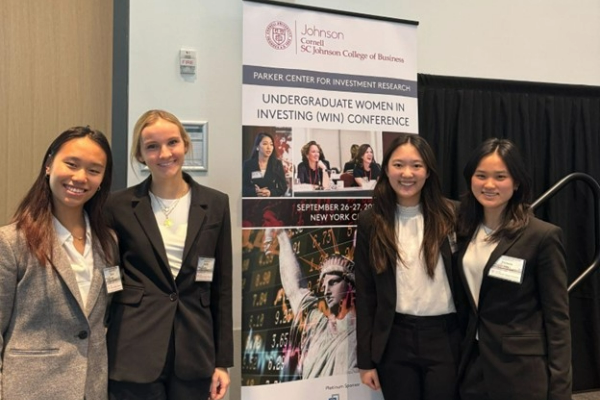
point(170, 335)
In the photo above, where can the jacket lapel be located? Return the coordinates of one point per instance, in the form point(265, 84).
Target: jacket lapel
point(142, 209)
point(60, 262)
point(97, 284)
point(446, 252)
point(503, 246)
point(195, 219)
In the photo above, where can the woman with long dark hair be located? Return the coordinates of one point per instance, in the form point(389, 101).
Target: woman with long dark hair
point(407, 326)
point(53, 296)
point(263, 174)
point(366, 169)
point(518, 340)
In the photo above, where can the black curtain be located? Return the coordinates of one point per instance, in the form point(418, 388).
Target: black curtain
point(557, 128)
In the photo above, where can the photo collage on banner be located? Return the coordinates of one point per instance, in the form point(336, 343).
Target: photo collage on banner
point(323, 94)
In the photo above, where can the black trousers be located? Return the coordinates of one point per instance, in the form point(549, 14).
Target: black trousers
point(472, 385)
point(421, 358)
point(167, 387)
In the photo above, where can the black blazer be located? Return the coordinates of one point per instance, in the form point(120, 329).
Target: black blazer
point(524, 329)
point(307, 175)
point(376, 295)
point(153, 304)
point(274, 178)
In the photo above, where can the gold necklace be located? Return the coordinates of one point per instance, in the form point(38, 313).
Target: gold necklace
point(167, 210)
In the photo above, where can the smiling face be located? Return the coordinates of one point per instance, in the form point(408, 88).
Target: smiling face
point(162, 149)
point(313, 154)
point(75, 173)
point(335, 290)
point(368, 156)
point(407, 174)
point(492, 184)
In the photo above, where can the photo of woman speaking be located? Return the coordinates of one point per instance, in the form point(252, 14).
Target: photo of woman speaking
point(365, 169)
point(313, 168)
point(263, 174)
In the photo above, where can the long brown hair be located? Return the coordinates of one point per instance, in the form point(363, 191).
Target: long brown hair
point(34, 214)
point(438, 213)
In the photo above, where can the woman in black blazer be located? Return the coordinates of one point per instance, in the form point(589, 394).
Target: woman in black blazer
point(407, 326)
point(170, 332)
point(518, 340)
point(366, 168)
point(263, 174)
point(314, 167)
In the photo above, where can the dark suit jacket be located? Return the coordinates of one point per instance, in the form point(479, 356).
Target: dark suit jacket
point(359, 171)
point(274, 178)
point(376, 296)
point(153, 304)
point(307, 175)
point(524, 330)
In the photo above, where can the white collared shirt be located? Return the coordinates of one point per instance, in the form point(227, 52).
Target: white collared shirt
point(81, 264)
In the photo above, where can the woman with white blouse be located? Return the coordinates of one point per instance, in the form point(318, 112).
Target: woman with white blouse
point(407, 326)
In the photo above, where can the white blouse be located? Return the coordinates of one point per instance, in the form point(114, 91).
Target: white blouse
point(417, 293)
point(477, 255)
point(174, 233)
point(81, 264)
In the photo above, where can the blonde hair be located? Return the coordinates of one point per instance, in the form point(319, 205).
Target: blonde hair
point(148, 118)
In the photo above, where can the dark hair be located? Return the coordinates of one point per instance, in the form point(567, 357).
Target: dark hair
point(438, 213)
point(516, 213)
point(34, 214)
point(273, 157)
point(306, 148)
point(257, 141)
point(361, 152)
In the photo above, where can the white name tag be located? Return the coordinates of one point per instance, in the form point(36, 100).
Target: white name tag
point(205, 269)
point(256, 175)
point(509, 269)
point(112, 278)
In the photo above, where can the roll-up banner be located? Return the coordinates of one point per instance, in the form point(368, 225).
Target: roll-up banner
point(323, 93)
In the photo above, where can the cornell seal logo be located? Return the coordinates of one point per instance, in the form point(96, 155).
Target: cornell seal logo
point(278, 35)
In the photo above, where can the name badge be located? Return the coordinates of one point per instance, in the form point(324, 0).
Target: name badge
point(509, 269)
point(256, 175)
point(205, 269)
point(112, 278)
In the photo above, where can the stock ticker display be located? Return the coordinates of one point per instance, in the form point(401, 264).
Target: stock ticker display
point(269, 344)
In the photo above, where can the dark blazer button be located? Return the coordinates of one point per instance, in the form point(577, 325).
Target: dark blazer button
point(82, 335)
point(173, 296)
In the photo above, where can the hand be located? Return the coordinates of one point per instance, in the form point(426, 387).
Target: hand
point(370, 378)
point(220, 383)
point(262, 192)
point(321, 165)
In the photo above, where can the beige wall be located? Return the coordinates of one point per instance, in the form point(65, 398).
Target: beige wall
point(55, 72)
